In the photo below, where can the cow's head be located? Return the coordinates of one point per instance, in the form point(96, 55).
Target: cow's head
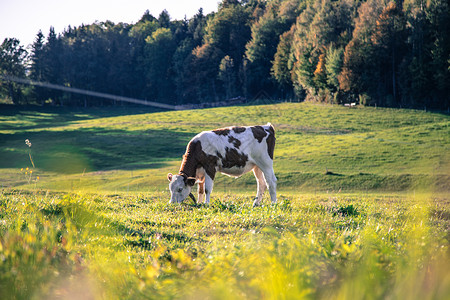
point(180, 187)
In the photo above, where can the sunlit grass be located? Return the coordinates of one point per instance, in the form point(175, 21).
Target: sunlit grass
point(323, 246)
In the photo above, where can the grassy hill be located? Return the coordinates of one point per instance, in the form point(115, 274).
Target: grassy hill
point(363, 211)
point(319, 147)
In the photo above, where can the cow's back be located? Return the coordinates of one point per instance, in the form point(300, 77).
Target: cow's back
point(238, 149)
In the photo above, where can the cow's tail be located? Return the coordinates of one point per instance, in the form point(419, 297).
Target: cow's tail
point(271, 140)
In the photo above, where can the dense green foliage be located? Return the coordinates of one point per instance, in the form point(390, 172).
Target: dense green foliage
point(385, 53)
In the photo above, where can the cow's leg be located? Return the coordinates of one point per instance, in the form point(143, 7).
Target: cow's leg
point(209, 183)
point(200, 174)
point(201, 191)
point(271, 181)
point(261, 185)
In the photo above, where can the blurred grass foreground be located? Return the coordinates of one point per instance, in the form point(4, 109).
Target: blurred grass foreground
point(87, 246)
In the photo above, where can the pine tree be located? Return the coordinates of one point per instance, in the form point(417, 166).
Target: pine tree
point(357, 78)
point(12, 58)
point(438, 15)
point(37, 65)
point(158, 60)
point(282, 63)
point(333, 67)
point(226, 74)
point(389, 42)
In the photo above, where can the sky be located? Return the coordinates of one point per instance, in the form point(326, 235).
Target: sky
point(22, 19)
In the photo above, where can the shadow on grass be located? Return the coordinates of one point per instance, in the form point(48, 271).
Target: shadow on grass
point(92, 149)
point(35, 117)
point(83, 150)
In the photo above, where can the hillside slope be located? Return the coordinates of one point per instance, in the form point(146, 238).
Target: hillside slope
point(319, 148)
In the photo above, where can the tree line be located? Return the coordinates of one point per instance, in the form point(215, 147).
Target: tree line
point(373, 52)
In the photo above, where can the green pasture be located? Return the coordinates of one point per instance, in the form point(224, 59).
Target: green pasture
point(327, 246)
point(363, 210)
point(319, 148)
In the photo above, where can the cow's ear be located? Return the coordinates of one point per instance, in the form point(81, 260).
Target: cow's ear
point(190, 181)
point(169, 176)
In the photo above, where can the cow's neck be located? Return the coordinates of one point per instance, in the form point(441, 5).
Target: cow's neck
point(190, 163)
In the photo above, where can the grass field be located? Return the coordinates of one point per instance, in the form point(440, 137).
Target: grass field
point(363, 212)
point(362, 149)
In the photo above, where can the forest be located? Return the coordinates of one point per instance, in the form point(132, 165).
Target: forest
point(374, 52)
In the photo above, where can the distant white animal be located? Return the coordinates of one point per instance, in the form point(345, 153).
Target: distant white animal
point(232, 151)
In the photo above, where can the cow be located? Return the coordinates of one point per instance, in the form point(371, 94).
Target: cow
point(232, 151)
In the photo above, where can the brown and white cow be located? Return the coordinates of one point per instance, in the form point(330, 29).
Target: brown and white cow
point(233, 151)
